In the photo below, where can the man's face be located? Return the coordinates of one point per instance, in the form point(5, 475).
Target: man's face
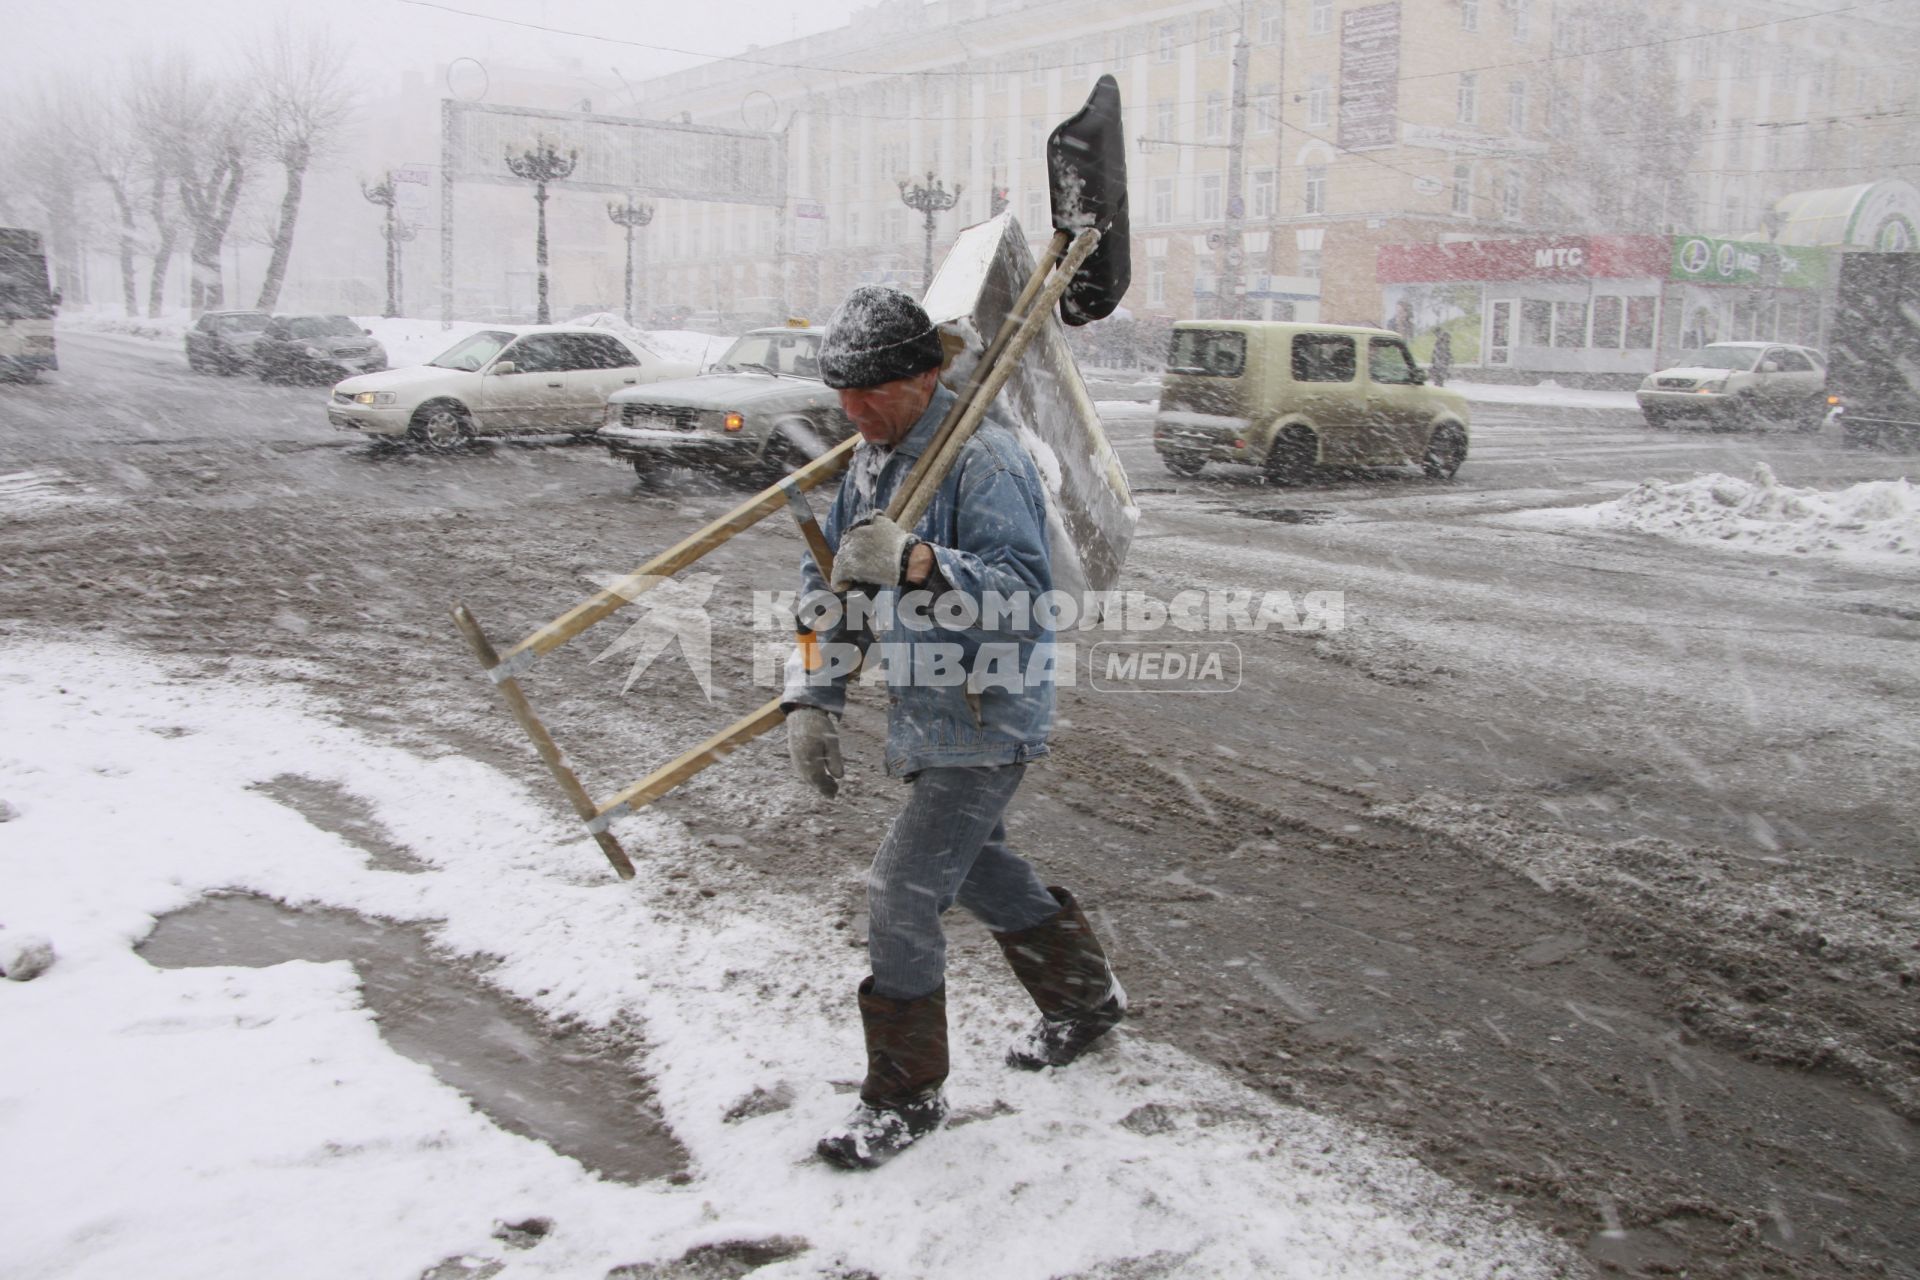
point(883, 415)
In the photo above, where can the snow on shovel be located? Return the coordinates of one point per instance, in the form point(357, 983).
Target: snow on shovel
point(1084, 272)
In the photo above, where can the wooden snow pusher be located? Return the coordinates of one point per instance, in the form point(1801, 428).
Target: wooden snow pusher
point(1090, 511)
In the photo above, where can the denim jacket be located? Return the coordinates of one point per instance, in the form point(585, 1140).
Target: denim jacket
point(987, 528)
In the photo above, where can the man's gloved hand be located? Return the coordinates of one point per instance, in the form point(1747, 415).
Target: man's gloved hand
point(873, 553)
point(813, 741)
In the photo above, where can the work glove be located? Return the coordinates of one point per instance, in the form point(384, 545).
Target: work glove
point(872, 553)
point(813, 742)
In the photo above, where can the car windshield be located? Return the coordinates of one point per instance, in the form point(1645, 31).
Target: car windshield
point(472, 351)
point(1739, 359)
point(243, 324)
point(1220, 353)
point(795, 354)
point(323, 327)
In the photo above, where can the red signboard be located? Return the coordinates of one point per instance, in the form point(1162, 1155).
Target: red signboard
point(1528, 258)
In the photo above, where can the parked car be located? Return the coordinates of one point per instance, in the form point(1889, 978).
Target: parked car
point(1739, 386)
point(223, 341)
point(536, 378)
point(312, 348)
point(1288, 397)
point(758, 411)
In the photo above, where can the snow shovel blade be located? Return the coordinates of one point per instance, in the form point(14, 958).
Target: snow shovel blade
point(1087, 179)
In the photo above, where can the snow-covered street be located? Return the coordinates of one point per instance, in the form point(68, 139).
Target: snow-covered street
point(1560, 905)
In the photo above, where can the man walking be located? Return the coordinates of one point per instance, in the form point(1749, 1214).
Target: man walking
point(960, 744)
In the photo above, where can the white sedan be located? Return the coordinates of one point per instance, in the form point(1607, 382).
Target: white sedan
point(531, 378)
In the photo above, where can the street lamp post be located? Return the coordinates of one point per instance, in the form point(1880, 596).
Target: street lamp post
point(630, 215)
point(540, 166)
point(382, 194)
point(397, 234)
point(929, 200)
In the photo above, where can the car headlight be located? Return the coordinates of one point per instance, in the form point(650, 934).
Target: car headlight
point(373, 397)
point(613, 416)
point(733, 421)
point(1646, 383)
point(313, 353)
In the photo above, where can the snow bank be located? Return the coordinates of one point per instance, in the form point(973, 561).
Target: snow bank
point(228, 1121)
point(1546, 395)
point(1877, 522)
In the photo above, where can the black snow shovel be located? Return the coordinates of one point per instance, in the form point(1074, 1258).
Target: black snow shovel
point(1085, 271)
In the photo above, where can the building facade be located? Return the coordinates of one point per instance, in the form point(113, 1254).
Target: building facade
point(1365, 124)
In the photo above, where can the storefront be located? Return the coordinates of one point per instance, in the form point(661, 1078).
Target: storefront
point(1602, 310)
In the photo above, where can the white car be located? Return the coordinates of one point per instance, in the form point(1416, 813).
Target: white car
point(1738, 385)
point(547, 379)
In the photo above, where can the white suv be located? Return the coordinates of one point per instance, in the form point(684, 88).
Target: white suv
point(545, 378)
point(1739, 385)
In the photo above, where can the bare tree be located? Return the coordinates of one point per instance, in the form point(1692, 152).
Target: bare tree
point(202, 138)
point(100, 131)
point(46, 169)
point(305, 101)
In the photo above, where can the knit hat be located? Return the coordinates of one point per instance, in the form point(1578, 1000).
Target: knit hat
point(878, 335)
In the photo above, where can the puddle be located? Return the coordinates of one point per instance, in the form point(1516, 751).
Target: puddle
point(1288, 515)
point(337, 811)
point(582, 1101)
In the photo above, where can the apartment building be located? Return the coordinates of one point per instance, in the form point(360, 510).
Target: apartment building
point(1366, 123)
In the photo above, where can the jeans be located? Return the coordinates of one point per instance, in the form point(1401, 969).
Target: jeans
point(947, 845)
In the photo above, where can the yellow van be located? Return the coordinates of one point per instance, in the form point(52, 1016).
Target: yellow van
point(1289, 397)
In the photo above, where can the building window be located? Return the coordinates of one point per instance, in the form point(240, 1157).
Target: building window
point(1157, 282)
point(1216, 120)
point(1310, 263)
point(1269, 29)
point(1165, 127)
point(1313, 191)
point(1702, 55)
point(1037, 215)
point(1266, 109)
point(1514, 198)
point(1211, 185)
point(895, 224)
point(1320, 17)
point(1036, 68)
point(1607, 315)
point(1522, 18)
point(1640, 324)
point(1570, 324)
point(1318, 95)
point(1264, 189)
point(1163, 44)
point(1162, 201)
point(1517, 106)
point(1217, 32)
point(1469, 15)
point(1463, 188)
point(1536, 323)
point(1467, 100)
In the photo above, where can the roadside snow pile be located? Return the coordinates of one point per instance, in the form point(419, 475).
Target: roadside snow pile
point(701, 349)
point(1546, 394)
point(1875, 522)
point(412, 340)
point(169, 329)
point(237, 1121)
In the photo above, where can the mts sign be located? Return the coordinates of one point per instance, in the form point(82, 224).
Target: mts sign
point(1565, 257)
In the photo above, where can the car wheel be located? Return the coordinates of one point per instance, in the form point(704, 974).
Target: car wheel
point(441, 424)
point(1292, 456)
point(1183, 464)
point(1446, 450)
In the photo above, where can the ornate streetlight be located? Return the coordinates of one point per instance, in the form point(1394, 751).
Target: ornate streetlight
point(382, 194)
point(929, 200)
point(540, 166)
point(630, 215)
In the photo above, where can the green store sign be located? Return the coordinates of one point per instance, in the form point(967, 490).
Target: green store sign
point(1704, 260)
